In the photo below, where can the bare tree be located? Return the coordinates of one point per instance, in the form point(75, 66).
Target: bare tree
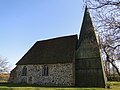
point(112, 54)
point(106, 15)
point(3, 65)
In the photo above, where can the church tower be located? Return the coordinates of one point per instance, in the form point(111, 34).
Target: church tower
point(89, 66)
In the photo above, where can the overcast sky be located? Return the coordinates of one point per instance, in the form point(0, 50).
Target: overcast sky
point(23, 22)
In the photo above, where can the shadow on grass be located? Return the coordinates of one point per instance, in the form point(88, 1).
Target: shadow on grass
point(6, 84)
point(11, 86)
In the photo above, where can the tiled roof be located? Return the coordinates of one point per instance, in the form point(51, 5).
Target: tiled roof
point(57, 50)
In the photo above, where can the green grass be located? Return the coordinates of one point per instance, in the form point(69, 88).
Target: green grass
point(114, 86)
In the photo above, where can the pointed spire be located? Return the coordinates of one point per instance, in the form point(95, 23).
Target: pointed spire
point(87, 29)
point(89, 67)
point(87, 37)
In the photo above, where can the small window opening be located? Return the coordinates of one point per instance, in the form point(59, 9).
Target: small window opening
point(45, 70)
point(24, 71)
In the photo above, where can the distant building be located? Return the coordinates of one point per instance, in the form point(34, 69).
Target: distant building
point(63, 61)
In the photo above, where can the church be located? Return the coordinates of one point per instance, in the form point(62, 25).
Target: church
point(63, 61)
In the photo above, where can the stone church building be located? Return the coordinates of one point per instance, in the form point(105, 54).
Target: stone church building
point(63, 61)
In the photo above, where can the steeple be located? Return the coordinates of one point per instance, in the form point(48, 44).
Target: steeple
point(89, 67)
point(87, 39)
point(87, 29)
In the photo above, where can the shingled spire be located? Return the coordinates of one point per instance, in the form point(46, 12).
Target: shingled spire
point(89, 68)
point(87, 40)
point(87, 29)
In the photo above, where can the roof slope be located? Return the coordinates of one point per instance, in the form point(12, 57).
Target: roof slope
point(57, 50)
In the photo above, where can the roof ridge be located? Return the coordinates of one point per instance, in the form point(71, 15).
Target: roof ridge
point(75, 35)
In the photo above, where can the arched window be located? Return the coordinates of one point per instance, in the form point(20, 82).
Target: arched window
point(24, 71)
point(45, 70)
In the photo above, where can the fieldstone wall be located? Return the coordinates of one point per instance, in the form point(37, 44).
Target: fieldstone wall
point(58, 75)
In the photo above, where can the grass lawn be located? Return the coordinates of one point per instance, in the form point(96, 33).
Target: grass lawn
point(114, 86)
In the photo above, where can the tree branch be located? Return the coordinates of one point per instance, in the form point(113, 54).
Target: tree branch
point(108, 59)
point(102, 4)
point(114, 46)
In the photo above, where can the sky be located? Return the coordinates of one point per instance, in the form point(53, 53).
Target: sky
point(23, 22)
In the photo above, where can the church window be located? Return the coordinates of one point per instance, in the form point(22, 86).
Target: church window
point(24, 71)
point(45, 70)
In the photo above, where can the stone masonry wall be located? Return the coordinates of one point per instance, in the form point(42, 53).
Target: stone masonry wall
point(58, 75)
